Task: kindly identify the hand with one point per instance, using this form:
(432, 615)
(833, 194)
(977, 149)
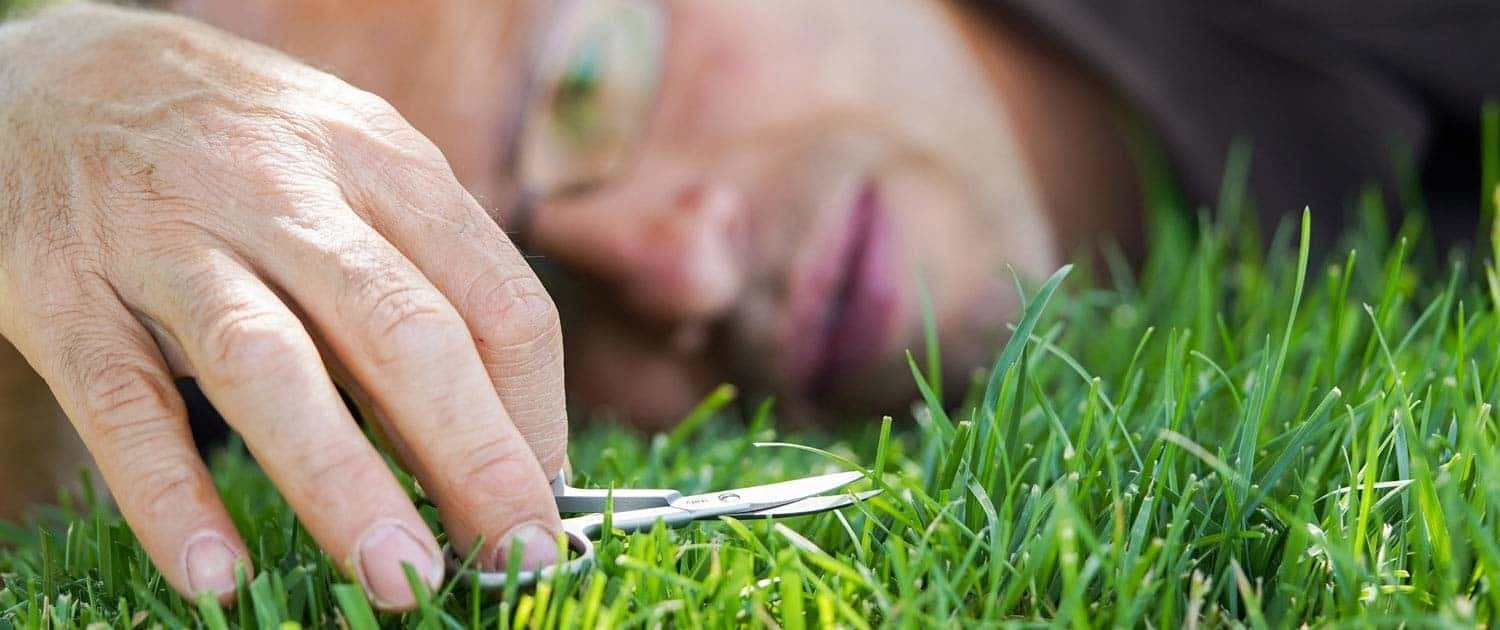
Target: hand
(174, 201)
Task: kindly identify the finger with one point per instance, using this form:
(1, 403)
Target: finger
(259, 367)
(113, 384)
(422, 209)
(411, 353)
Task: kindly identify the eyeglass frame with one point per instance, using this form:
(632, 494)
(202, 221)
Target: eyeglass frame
(522, 215)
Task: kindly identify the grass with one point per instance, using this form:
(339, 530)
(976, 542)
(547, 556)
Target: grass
(19, 7)
(1243, 433)
(1234, 436)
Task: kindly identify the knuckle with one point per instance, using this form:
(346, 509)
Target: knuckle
(408, 312)
(488, 472)
(335, 462)
(378, 127)
(410, 166)
(163, 486)
(407, 321)
(379, 114)
(335, 471)
(251, 336)
(121, 401)
(512, 315)
(124, 394)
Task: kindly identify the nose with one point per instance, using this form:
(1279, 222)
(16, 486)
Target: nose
(675, 254)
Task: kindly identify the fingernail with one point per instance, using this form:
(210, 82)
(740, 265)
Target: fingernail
(209, 561)
(382, 551)
(538, 547)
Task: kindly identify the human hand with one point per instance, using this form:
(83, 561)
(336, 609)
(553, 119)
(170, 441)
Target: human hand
(174, 201)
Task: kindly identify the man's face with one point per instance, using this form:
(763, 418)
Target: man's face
(734, 191)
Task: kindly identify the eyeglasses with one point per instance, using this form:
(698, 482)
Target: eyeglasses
(590, 83)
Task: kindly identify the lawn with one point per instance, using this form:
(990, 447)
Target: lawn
(1242, 431)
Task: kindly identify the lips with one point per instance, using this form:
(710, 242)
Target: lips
(849, 324)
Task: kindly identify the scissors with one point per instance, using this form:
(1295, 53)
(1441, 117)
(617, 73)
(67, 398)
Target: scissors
(637, 509)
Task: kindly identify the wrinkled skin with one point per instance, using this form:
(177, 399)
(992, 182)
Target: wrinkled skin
(210, 208)
(239, 217)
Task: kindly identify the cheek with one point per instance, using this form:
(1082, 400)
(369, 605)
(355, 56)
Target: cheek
(962, 244)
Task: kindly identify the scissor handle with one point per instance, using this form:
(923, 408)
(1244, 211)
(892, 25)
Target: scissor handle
(578, 543)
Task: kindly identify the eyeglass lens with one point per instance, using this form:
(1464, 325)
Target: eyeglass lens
(595, 84)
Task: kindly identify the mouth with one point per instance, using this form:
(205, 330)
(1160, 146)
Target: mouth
(850, 318)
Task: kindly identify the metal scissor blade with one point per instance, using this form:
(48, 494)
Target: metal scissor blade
(810, 505)
(577, 500)
(756, 498)
(761, 497)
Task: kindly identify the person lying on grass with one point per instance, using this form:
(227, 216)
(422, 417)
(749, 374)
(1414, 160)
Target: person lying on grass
(727, 191)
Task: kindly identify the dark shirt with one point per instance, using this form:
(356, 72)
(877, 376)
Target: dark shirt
(1329, 94)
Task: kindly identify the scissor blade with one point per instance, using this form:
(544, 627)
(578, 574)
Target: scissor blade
(810, 505)
(762, 497)
(577, 500)
(770, 495)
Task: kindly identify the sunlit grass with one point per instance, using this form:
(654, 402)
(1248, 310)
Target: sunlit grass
(1241, 435)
